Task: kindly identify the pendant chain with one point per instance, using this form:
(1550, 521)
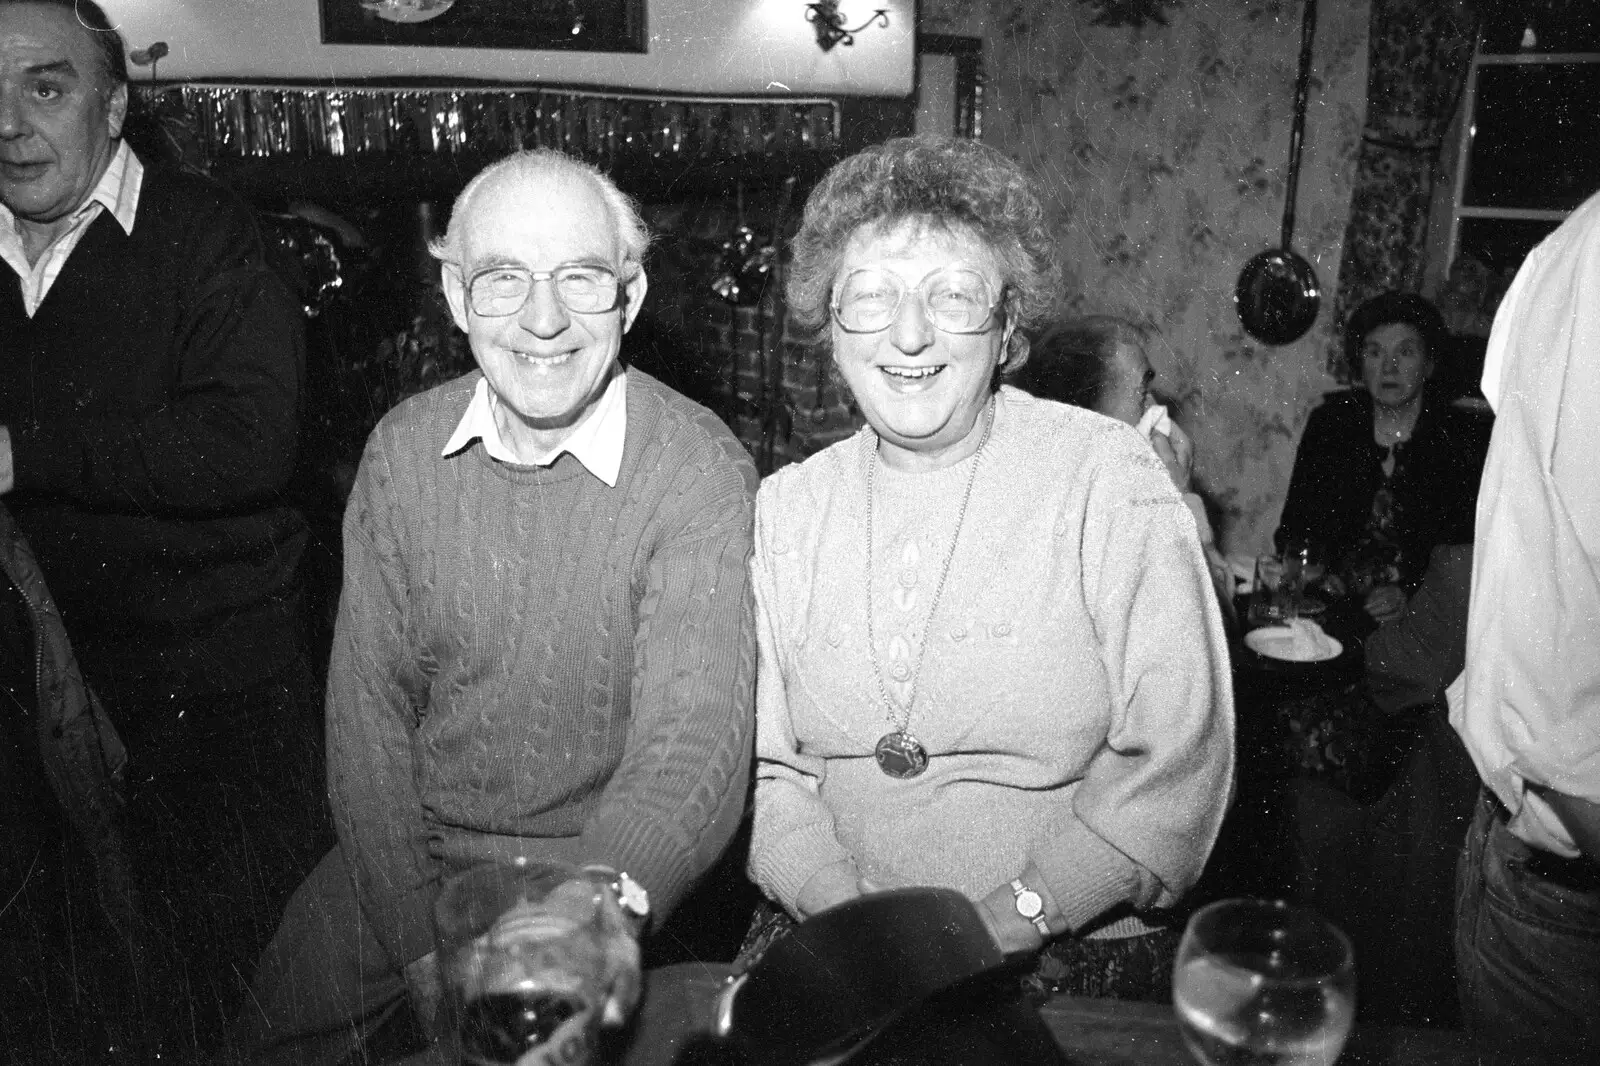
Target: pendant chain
(901, 719)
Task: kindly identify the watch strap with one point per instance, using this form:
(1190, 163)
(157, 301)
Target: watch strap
(629, 894)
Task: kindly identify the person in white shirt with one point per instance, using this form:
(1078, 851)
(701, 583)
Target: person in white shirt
(1527, 704)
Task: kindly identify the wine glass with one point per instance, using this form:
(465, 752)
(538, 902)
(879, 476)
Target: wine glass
(1267, 605)
(525, 952)
(1261, 982)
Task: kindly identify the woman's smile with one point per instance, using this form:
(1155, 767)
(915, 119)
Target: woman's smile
(904, 377)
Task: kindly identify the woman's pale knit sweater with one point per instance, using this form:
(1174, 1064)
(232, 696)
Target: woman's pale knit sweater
(1074, 696)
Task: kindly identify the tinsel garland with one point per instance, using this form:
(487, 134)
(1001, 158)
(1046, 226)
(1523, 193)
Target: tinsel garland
(248, 121)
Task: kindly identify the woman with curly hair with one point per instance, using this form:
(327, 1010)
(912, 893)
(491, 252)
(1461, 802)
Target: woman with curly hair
(990, 659)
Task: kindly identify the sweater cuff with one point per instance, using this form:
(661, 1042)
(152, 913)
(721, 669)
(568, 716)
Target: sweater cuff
(40, 458)
(783, 867)
(1202, 521)
(1087, 877)
(654, 856)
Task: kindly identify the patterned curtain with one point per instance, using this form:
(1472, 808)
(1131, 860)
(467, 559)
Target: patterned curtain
(1418, 55)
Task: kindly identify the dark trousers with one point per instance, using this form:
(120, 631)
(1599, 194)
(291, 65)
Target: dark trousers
(227, 813)
(1527, 947)
(324, 985)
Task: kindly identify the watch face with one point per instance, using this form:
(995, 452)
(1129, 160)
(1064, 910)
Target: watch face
(1029, 904)
(632, 896)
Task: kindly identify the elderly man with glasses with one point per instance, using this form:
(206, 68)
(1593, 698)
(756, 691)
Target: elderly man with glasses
(545, 649)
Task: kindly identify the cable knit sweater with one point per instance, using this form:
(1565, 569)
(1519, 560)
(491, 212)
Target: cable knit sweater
(1074, 696)
(528, 662)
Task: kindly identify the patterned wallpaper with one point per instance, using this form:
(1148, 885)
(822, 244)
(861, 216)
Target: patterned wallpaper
(1165, 149)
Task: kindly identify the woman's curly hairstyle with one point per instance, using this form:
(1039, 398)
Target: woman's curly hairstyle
(1387, 309)
(953, 183)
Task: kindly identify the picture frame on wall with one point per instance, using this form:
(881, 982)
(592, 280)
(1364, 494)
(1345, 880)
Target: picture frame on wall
(543, 25)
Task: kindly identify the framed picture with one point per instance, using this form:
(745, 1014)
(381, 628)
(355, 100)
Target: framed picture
(554, 25)
(949, 85)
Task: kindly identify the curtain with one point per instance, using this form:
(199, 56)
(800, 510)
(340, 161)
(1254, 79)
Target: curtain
(1418, 53)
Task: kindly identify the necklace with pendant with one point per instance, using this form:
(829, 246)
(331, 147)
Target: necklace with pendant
(899, 753)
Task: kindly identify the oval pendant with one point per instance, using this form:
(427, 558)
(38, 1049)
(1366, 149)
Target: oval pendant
(900, 755)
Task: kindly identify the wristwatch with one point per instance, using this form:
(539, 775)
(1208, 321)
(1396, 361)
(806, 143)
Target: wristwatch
(630, 894)
(1031, 906)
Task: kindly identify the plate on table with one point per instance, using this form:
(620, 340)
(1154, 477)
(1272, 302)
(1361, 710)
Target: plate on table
(1278, 642)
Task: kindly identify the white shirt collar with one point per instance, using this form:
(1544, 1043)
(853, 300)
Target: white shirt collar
(596, 441)
(117, 191)
(118, 188)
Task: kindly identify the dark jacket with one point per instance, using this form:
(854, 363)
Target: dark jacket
(82, 757)
(1339, 468)
(153, 403)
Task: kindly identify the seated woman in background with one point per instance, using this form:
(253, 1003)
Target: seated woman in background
(1100, 362)
(1386, 471)
(990, 659)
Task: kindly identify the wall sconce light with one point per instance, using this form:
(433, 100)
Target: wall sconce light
(825, 16)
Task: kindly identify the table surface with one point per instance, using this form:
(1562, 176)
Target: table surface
(677, 1011)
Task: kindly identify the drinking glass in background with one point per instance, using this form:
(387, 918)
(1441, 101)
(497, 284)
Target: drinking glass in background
(1263, 982)
(530, 957)
(1269, 606)
(1305, 559)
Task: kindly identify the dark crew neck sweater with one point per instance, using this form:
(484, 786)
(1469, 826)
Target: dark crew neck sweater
(1339, 468)
(153, 403)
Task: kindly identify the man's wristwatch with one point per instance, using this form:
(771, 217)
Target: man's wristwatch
(1031, 906)
(630, 894)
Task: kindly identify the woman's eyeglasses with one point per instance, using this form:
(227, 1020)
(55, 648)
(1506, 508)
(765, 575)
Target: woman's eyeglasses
(954, 299)
(499, 291)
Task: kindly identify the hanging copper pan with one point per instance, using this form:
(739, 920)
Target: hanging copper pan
(1278, 294)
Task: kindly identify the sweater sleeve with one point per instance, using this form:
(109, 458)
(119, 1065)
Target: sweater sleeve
(1334, 477)
(677, 798)
(792, 836)
(227, 437)
(1412, 659)
(371, 717)
(1149, 808)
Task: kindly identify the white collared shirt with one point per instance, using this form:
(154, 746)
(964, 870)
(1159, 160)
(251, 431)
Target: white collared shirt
(1528, 703)
(596, 441)
(117, 191)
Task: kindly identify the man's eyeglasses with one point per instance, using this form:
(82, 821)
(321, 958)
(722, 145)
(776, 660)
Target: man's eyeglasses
(956, 300)
(499, 291)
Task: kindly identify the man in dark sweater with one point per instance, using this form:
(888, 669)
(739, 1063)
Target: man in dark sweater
(150, 370)
(545, 647)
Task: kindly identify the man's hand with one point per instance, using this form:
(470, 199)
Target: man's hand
(1581, 818)
(1385, 603)
(422, 982)
(8, 472)
(619, 976)
(828, 887)
(1176, 452)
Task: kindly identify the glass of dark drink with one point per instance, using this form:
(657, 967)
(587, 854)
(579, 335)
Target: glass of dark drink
(528, 959)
